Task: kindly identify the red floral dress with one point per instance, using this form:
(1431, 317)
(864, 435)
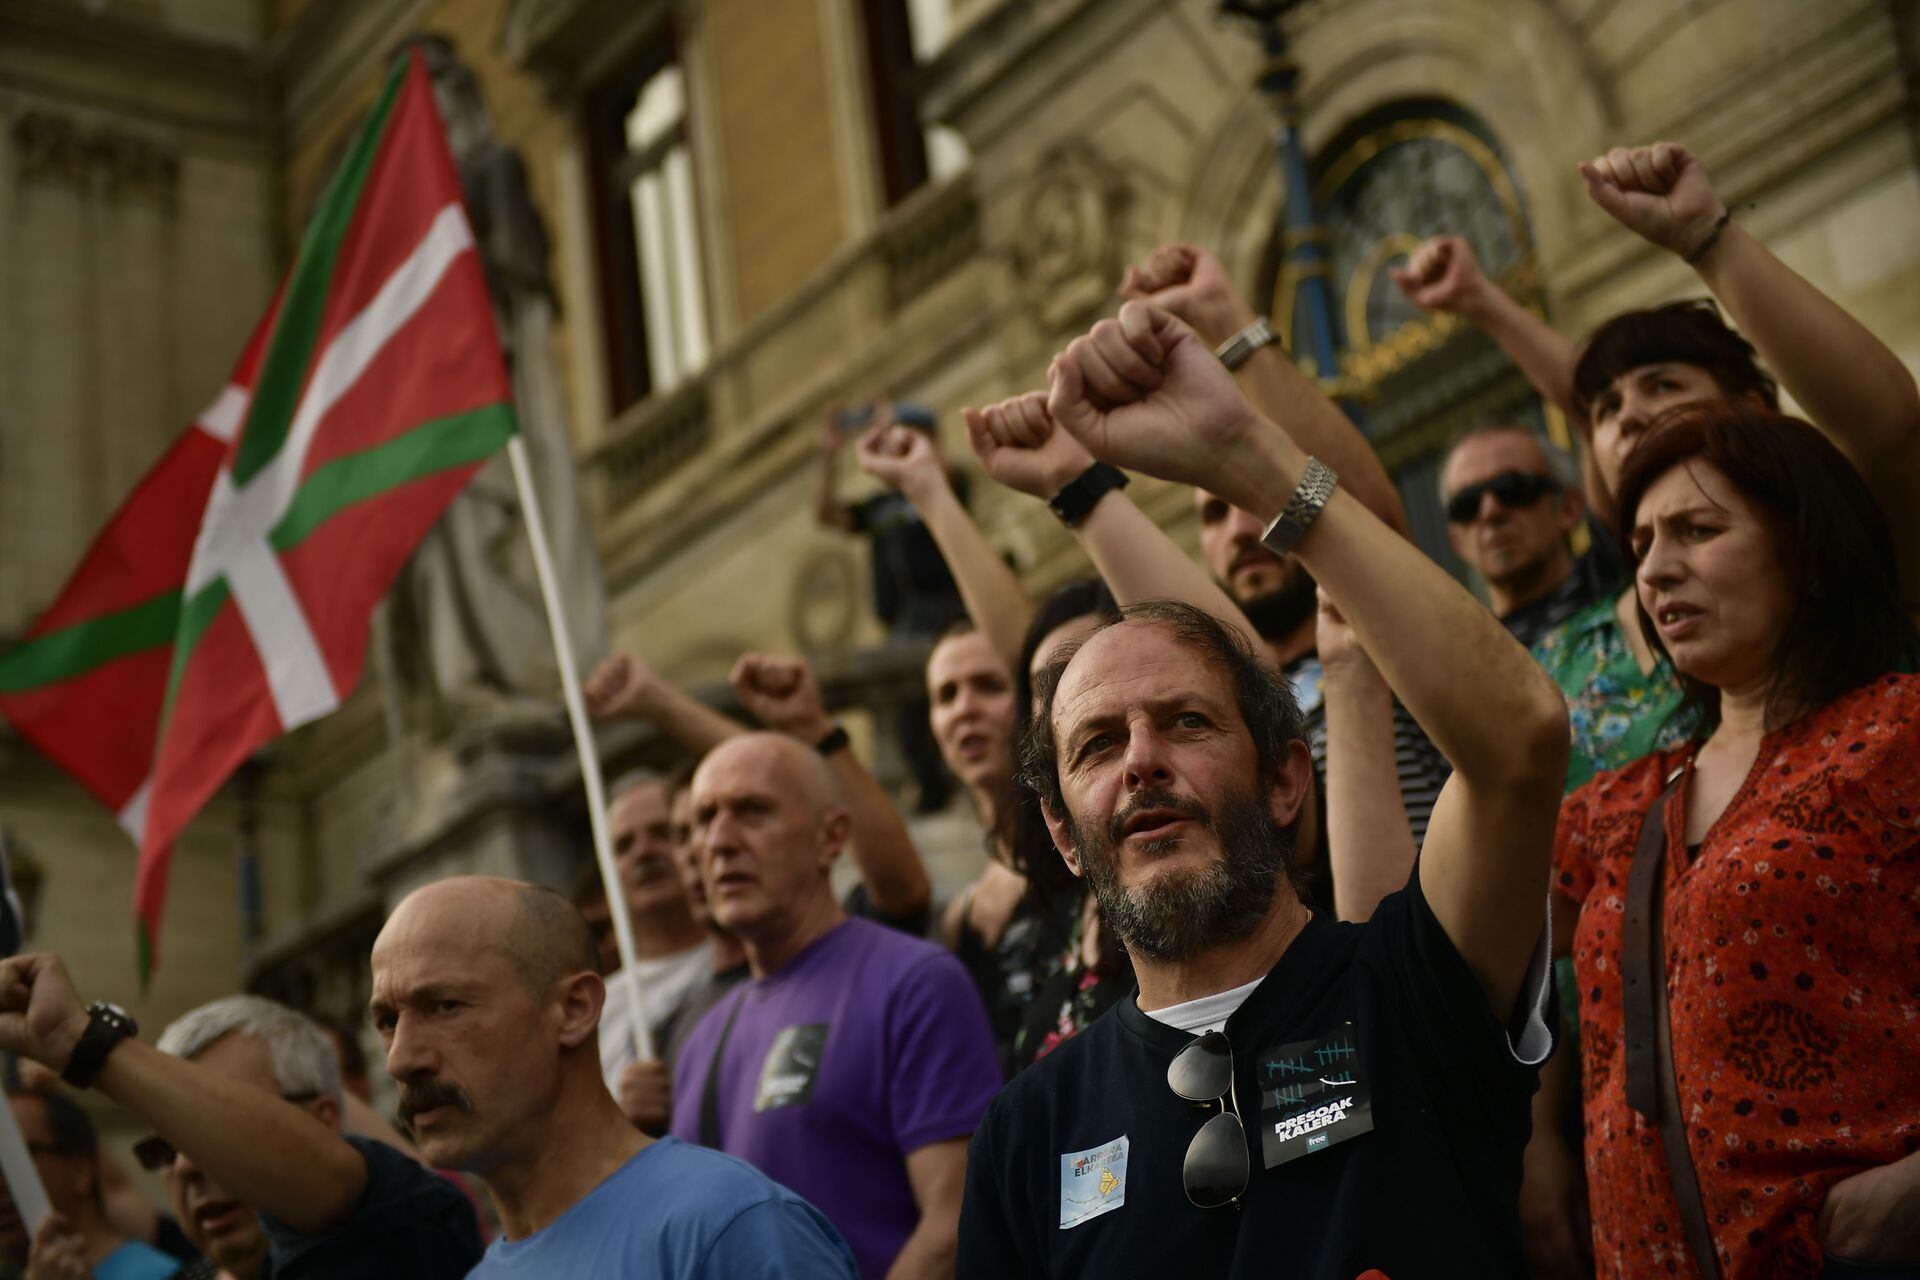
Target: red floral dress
(1792, 942)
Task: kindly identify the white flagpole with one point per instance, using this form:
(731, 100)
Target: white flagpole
(583, 741)
(23, 1179)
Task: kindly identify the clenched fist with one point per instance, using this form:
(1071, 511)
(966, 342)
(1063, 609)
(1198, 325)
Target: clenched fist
(1190, 282)
(1443, 275)
(621, 688)
(903, 459)
(1660, 193)
(782, 694)
(1022, 447)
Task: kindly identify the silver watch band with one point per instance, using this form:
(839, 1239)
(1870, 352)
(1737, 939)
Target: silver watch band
(1315, 487)
(1238, 349)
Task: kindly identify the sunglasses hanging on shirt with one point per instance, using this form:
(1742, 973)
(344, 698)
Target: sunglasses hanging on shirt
(1216, 1170)
(1511, 489)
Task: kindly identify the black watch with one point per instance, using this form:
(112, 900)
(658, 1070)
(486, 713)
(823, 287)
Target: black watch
(1073, 503)
(835, 739)
(107, 1025)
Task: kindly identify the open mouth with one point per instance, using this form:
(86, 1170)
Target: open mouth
(973, 746)
(216, 1216)
(1150, 825)
(1676, 621)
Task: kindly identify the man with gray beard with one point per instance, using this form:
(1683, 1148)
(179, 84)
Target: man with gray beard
(1282, 1094)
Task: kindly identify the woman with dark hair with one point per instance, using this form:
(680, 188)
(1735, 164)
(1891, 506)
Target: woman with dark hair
(1746, 900)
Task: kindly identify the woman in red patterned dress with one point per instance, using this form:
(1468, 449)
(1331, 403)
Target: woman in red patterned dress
(1789, 897)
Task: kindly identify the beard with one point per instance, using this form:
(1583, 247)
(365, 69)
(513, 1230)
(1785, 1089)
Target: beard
(1284, 610)
(1176, 917)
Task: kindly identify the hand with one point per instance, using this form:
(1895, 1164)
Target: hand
(1442, 275)
(1874, 1216)
(1144, 393)
(59, 1252)
(646, 1095)
(782, 694)
(902, 459)
(1555, 1230)
(1022, 447)
(1190, 282)
(41, 1015)
(1660, 193)
(831, 436)
(1334, 641)
(621, 688)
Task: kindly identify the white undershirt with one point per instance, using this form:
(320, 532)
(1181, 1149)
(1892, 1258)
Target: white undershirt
(1208, 1013)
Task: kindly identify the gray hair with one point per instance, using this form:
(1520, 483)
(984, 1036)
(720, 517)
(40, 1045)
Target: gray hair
(303, 1060)
(633, 780)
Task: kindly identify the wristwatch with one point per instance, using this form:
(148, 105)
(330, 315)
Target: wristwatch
(107, 1025)
(1315, 487)
(833, 740)
(1073, 503)
(1239, 349)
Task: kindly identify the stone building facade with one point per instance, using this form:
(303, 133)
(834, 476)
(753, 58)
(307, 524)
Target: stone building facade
(760, 208)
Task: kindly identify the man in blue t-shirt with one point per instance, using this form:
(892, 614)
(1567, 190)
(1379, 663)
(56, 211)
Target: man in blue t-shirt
(488, 997)
(856, 1062)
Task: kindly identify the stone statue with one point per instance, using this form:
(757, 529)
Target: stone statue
(474, 594)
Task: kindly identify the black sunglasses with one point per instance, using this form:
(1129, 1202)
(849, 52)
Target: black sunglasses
(1511, 489)
(1216, 1171)
(156, 1154)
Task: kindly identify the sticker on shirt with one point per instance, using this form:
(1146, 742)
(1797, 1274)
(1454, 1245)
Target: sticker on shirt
(1093, 1182)
(786, 1078)
(1311, 1096)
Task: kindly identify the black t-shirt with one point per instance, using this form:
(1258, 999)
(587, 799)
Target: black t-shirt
(1093, 1133)
(409, 1222)
(907, 564)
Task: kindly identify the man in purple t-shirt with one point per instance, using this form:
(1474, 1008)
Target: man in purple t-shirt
(855, 1064)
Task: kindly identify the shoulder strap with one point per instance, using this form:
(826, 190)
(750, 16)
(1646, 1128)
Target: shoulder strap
(710, 1087)
(1643, 1001)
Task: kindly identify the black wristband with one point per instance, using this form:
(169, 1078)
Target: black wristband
(1073, 503)
(107, 1026)
(836, 740)
(1713, 238)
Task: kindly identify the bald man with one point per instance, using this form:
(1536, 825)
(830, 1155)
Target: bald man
(855, 1062)
(487, 997)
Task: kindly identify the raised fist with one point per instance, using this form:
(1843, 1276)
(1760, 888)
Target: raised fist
(1190, 282)
(782, 694)
(1442, 275)
(621, 688)
(1022, 447)
(41, 1015)
(1144, 393)
(1661, 193)
(902, 458)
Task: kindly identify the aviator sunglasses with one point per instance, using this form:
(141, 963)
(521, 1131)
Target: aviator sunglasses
(1216, 1170)
(1511, 489)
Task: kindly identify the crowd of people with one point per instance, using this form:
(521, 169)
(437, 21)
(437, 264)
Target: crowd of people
(1575, 932)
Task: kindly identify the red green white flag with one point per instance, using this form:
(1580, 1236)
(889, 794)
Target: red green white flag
(228, 599)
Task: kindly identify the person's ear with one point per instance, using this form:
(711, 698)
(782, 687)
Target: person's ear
(1062, 832)
(325, 1109)
(581, 998)
(1457, 539)
(836, 828)
(1292, 784)
(1573, 509)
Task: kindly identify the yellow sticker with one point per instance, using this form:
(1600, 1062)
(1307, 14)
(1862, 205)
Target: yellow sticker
(1108, 1182)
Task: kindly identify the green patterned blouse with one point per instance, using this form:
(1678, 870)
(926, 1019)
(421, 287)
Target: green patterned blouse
(1618, 712)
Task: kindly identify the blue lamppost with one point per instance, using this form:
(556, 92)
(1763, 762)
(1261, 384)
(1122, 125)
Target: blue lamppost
(1303, 239)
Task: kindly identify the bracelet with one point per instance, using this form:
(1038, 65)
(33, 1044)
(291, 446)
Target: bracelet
(1309, 497)
(1073, 503)
(1239, 349)
(836, 740)
(1713, 238)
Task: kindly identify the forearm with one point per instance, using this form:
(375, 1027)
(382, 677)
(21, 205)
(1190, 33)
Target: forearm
(826, 503)
(1138, 561)
(691, 723)
(931, 1252)
(881, 846)
(279, 1159)
(1370, 844)
(1488, 707)
(362, 1121)
(993, 596)
(1545, 355)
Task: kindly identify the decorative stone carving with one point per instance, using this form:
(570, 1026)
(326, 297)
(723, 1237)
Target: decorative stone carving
(123, 166)
(1068, 256)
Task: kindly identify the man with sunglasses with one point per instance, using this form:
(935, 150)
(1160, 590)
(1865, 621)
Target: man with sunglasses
(1509, 516)
(258, 1112)
(1283, 1094)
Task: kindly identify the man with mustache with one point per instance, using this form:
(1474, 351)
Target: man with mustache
(1282, 1092)
(487, 997)
(856, 1061)
(330, 1206)
(672, 955)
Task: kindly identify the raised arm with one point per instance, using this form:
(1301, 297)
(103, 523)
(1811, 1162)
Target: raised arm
(289, 1165)
(1190, 282)
(826, 502)
(1845, 379)
(1443, 275)
(1484, 702)
(905, 460)
(1370, 847)
(782, 694)
(625, 688)
(1020, 446)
